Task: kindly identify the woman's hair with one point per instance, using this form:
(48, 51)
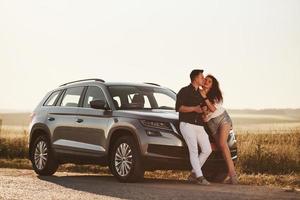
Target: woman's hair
(214, 94)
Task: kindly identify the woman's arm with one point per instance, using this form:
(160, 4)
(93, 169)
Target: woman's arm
(210, 105)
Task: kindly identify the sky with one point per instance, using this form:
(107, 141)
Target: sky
(252, 47)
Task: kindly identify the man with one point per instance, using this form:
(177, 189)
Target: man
(188, 104)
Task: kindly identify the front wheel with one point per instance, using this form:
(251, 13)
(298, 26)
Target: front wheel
(125, 160)
(42, 157)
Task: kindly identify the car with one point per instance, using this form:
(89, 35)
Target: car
(129, 127)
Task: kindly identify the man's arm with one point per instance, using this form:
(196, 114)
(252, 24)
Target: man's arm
(187, 109)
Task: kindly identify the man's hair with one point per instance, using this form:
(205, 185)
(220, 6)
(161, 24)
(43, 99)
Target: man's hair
(195, 73)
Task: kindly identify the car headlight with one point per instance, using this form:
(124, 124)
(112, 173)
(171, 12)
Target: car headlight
(156, 124)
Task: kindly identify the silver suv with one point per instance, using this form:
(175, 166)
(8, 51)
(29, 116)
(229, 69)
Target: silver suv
(126, 126)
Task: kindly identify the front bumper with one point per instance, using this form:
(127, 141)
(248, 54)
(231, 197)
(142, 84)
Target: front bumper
(170, 157)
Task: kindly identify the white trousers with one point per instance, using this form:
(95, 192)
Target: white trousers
(194, 135)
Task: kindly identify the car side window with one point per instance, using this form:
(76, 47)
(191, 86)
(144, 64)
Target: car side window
(93, 93)
(52, 98)
(72, 97)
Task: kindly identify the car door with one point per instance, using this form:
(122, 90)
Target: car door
(92, 124)
(63, 118)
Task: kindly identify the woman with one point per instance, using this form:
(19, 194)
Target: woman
(219, 122)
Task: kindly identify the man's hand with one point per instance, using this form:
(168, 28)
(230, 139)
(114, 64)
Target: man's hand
(198, 109)
(205, 110)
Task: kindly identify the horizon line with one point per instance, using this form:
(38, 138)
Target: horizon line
(255, 109)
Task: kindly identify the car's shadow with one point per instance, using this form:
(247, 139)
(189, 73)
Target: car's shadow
(107, 185)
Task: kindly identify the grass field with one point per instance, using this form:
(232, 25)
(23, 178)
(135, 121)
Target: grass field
(268, 152)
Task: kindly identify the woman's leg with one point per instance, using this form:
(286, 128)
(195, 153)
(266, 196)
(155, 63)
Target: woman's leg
(221, 139)
(223, 136)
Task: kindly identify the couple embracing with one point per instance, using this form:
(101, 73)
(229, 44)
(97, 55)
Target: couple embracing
(200, 104)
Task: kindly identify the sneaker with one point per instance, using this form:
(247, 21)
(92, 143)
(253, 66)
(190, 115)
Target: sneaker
(192, 177)
(202, 181)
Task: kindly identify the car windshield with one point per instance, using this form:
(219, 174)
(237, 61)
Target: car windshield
(141, 97)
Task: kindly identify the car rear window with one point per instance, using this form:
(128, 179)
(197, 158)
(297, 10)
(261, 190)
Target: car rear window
(52, 98)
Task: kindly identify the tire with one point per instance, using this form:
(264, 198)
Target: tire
(125, 160)
(42, 157)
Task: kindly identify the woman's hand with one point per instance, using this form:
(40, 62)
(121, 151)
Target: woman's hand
(205, 118)
(205, 113)
(205, 110)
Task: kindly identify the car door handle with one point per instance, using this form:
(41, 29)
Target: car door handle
(51, 118)
(79, 120)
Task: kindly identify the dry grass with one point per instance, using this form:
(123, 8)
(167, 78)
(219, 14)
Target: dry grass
(14, 143)
(274, 153)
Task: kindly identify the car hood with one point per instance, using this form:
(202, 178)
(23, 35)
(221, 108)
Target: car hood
(154, 114)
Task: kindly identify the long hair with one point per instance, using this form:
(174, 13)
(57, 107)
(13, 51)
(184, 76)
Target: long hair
(215, 93)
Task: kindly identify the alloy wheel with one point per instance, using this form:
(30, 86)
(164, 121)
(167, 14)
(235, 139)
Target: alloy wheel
(40, 155)
(123, 159)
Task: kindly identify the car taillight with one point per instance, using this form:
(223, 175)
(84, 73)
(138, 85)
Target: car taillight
(32, 115)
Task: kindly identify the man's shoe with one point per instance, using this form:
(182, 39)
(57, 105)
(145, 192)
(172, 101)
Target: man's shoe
(192, 177)
(202, 181)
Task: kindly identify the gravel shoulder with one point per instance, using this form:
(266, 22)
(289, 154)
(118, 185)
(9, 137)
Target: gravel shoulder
(25, 184)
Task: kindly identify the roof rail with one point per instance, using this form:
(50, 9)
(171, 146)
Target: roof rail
(153, 84)
(89, 79)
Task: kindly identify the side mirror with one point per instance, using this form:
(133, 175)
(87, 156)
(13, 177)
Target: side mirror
(98, 104)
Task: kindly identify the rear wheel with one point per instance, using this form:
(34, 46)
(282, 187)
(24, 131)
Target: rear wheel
(125, 160)
(42, 157)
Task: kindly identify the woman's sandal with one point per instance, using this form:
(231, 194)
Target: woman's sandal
(233, 180)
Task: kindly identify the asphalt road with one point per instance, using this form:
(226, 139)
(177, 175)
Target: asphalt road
(25, 184)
